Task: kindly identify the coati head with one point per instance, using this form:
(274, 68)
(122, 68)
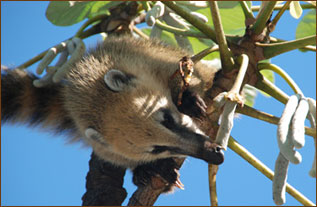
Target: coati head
(120, 99)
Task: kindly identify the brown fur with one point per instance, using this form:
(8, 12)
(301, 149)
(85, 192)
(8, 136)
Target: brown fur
(127, 120)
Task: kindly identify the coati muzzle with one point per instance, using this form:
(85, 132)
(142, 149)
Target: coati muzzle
(210, 152)
(190, 143)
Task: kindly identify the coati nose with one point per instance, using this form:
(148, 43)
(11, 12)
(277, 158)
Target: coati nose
(212, 153)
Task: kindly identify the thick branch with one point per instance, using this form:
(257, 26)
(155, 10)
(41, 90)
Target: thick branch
(263, 17)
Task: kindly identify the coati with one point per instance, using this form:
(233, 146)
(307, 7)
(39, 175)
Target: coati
(120, 99)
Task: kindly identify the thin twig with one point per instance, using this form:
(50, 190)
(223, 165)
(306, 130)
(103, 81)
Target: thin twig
(246, 10)
(251, 112)
(283, 74)
(280, 13)
(89, 32)
(272, 50)
(140, 33)
(246, 155)
(179, 31)
(279, 7)
(309, 47)
(89, 22)
(225, 54)
(271, 89)
(195, 21)
(202, 54)
(145, 5)
(212, 172)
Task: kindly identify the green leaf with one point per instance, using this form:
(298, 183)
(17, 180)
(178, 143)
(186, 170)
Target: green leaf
(201, 44)
(268, 74)
(102, 7)
(307, 26)
(65, 13)
(249, 93)
(227, 4)
(232, 17)
(295, 9)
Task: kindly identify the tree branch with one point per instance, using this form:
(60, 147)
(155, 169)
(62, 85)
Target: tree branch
(179, 31)
(263, 17)
(246, 10)
(272, 50)
(91, 31)
(283, 74)
(89, 22)
(249, 111)
(196, 22)
(246, 155)
(202, 54)
(265, 85)
(147, 195)
(225, 54)
(212, 172)
(308, 47)
(140, 33)
(280, 13)
(279, 7)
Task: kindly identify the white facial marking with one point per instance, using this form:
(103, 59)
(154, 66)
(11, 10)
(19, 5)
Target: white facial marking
(188, 122)
(149, 105)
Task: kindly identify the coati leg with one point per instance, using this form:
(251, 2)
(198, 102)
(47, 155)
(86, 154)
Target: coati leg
(164, 168)
(104, 184)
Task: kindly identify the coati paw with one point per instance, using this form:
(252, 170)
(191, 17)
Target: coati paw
(192, 105)
(166, 170)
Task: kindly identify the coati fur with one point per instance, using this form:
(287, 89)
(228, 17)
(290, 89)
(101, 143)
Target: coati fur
(121, 100)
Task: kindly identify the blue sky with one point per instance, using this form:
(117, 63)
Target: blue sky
(38, 168)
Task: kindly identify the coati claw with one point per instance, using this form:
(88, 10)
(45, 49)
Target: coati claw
(179, 184)
(166, 169)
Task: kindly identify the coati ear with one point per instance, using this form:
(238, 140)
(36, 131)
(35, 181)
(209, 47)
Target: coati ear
(117, 80)
(92, 134)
